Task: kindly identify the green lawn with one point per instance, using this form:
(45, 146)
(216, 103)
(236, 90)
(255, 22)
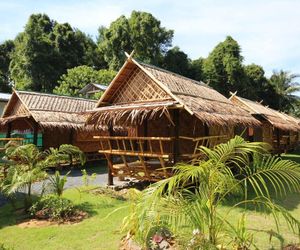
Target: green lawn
(100, 232)
(96, 232)
(292, 156)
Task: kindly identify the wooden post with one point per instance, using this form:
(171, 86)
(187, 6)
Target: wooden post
(71, 136)
(8, 133)
(145, 134)
(110, 178)
(206, 130)
(176, 150)
(71, 142)
(278, 140)
(35, 133)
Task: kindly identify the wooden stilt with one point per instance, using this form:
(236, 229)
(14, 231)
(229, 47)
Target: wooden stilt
(110, 178)
(176, 136)
(278, 141)
(35, 133)
(8, 133)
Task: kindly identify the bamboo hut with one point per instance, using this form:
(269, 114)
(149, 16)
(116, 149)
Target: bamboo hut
(51, 120)
(157, 118)
(278, 129)
(92, 88)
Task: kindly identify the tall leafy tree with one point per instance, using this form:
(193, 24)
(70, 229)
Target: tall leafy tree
(177, 61)
(45, 50)
(32, 66)
(6, 50)
(285, 86)
(257, 82)
(196, 69)
(223, 69)
(141, 32)
(76, 78)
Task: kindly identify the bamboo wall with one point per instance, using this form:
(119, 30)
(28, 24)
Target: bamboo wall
(85, 141)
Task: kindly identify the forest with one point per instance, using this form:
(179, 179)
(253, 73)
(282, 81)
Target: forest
(52, 57)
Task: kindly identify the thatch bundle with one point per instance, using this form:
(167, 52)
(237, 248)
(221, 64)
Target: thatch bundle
(129, 115)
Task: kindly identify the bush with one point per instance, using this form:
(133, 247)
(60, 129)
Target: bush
(3, 247)
(53, 207)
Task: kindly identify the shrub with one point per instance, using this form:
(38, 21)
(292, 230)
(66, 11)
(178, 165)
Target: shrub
(53, 207)
(3, 247)
(57, 183)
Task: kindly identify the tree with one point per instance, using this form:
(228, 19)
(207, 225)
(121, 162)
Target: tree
(45, 50)
(78, 77)
(29, 165)
(285, 86)
(33, 62)
(177, 61)
(192, 197)
(223, 68)
(196, 69)
(141, 32)
(257, 83)
(6, 50)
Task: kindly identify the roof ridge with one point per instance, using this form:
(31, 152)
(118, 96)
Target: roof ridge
(175, 74)
(54, 95)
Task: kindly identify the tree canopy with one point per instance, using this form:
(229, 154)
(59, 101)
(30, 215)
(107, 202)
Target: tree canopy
(141, 32)
(6, 50)
(76, 78)
(48, 56)
(45, 50)
(223, 69)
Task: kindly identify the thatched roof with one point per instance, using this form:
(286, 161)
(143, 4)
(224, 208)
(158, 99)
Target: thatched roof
(139, 83)
(275, 118)
(47, 110)
(92, 88)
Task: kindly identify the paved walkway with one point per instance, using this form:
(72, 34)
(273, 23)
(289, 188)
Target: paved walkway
(74, 179)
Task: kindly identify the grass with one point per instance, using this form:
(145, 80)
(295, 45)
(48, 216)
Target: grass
(102, 232)
(96, 232)
(295, 156)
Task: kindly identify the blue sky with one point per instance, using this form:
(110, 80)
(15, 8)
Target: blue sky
(268, 31)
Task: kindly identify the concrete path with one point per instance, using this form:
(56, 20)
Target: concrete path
(74, 179)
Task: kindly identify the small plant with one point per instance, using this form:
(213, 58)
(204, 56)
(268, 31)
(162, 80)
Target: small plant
(3, 247)
(53, 207)
(57, 183)
(243, 240)
(86, 178)
(159, 237)
(28, 165)
(199, 241)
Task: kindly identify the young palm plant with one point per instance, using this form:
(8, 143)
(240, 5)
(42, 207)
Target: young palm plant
(57, 183)
(30, 165)
(192, 197)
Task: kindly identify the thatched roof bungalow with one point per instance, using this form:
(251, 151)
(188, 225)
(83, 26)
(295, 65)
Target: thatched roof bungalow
(159, 117)
(92, 88)
(57, 119)
(278, 129)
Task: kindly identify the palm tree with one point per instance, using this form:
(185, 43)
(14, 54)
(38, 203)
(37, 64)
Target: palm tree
(192, 197)
(285, 86)
(30, 166)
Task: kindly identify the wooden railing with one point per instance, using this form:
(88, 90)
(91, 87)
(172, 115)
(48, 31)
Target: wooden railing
(206, 141)
(148, 157)
(136, 146)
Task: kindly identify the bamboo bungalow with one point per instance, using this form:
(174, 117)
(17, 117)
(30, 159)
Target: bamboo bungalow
(157, 118)
(278, 129)
(49, 120)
